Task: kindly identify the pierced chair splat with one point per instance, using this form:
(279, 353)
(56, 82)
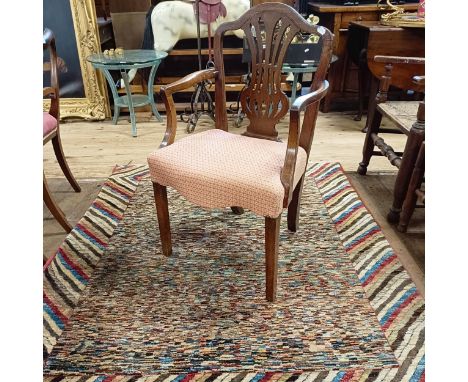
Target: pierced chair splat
(254, 170)
(51, 129)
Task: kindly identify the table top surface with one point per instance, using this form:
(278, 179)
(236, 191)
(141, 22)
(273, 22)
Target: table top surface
(128, 57)
(305, 67)
(376, 26)
(318, 6)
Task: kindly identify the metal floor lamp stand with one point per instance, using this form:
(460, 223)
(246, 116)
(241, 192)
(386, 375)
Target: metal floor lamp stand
(201, 102)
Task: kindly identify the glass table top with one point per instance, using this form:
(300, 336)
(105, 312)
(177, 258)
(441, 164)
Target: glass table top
(139, 56)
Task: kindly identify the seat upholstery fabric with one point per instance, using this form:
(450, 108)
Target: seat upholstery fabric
(49, 123)
(217, 169)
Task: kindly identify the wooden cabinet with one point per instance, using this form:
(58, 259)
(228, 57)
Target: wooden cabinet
(343, 75)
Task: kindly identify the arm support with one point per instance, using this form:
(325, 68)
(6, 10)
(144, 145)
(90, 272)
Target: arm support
(308, 103)
(166, 94)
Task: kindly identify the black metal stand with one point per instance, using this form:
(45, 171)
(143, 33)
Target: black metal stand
(201, 101)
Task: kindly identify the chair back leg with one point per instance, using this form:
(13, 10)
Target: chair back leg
(272, 226)
(56, 143)
(162, 210)
(53, 207)
(237, 210)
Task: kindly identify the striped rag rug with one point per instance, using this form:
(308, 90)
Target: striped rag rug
(398, 306)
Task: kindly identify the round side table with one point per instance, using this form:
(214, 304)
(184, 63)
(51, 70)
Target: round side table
(129, 59)
(310, 67)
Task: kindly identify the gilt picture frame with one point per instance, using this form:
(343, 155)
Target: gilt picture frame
(89, 101)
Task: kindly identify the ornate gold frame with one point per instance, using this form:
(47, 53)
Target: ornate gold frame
(95, 106)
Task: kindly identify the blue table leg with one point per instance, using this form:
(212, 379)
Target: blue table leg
(294, 88)
(115, 95)
(130, 101)
(151, 92)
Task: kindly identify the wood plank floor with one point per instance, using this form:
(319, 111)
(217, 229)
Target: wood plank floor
(94, 148)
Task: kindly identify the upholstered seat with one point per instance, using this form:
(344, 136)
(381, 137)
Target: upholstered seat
(216, 169)
(49, 123)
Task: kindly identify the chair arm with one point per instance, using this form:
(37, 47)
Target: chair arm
(189, 80)
(166, 95)
(300, 104)
(303, 101)
(49, 91)
(400, 60)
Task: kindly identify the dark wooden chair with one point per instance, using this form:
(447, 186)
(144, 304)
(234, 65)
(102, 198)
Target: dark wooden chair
(51, 129)
(403, 114)
(217, 169)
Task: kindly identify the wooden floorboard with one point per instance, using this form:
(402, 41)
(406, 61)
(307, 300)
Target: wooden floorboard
(73, 204)
(94, 148)
(376, 191)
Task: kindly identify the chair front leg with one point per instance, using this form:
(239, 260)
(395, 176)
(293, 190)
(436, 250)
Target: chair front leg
(272, 226)
(295, 206)
(162, 210)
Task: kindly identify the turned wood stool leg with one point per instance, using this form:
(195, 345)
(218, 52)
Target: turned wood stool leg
(369, 144)
(413, 143)
(162, 210)
(295, 206)
(53, 207)
(272, 226)
(411, 197)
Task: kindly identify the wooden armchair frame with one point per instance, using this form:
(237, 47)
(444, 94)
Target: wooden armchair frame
(405, 160)
(52, 92)
(269, 29)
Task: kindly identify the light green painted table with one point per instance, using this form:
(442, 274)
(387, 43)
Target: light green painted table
(130, 59)
(310, 67)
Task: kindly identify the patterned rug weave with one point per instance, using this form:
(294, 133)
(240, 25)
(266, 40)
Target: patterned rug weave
(203, 309)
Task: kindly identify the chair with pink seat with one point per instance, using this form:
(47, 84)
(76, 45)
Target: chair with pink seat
(51, 129)
(217, 169)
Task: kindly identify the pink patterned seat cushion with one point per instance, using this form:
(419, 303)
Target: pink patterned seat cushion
(49, 123)
(217, 169)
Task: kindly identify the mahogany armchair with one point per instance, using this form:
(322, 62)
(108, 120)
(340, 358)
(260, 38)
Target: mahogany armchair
(255, 170)
(51, 129)
(408, 117)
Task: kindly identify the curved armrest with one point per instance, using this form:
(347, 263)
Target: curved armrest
(400, 60)
(166, 94)
(49, 91)
(189, 80)
(300, 104)
(303, 101)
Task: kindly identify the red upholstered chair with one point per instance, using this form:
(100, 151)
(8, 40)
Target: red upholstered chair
(51, 130)
(217, 169)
